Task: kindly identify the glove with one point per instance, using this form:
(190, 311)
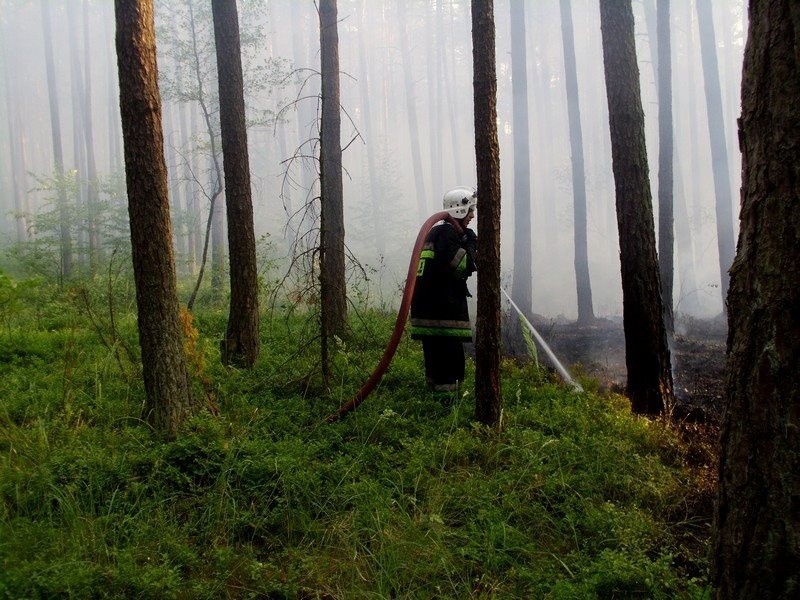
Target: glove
(469, 239)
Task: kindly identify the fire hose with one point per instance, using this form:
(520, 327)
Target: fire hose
(402, 316)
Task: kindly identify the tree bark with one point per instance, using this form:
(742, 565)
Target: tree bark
(646, 352)
(168, 389)
(666, 235)
(756, 540)
(488, 400)
(582, 281)
(333, 292)
(241, 343)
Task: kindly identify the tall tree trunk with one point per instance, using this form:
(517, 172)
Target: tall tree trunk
(651, 25)
(719, 152)
(488, 400)
(171, 137)
(666, 237)
(756, 540)
(448, 77)
(19, 174)
(582, 281)
(16, 142)
(685, 249)
(541, 99)
(217, 217)
(411, 106)
(177, 155)
(306, 115)
(241, 343)
(695, 174)
(93, 196)
(333, 291)
(78, 140)
(166, 380)
(522, 287)
(646, 352)
(214, 231)
(374, 190)
(190, 185)
(65, 232)
(434, 99)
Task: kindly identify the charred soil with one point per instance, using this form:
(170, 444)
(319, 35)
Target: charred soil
(597, 349)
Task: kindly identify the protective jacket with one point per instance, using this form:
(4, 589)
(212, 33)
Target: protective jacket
(439, 306)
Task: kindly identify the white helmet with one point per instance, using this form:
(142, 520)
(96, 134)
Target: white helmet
(459, 201)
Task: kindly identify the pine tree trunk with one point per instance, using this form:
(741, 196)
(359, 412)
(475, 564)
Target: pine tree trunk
(65, 232)
(16, 139)
(306, 115)
(448, 77)
(522, 285)
(332, 277)
(93, 196)
(583, 283)
(756, 542)
(411, 107)
(488, 401)
(171, 139)
(685, 249)
(374, 189)
(666, 236)
(217, 215)
(241, 343)
(78, 141)
(167, 386)
(190, 192)
(719, 152)
(433, 88)
(646, 352)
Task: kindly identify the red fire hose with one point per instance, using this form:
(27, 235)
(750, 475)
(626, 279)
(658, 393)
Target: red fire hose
(402, 315)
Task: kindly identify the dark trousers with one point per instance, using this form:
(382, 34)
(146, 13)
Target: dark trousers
(444, 362)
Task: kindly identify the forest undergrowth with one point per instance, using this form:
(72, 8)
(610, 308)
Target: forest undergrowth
(572, 497)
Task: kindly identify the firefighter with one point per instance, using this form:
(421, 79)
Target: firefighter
(439, 313)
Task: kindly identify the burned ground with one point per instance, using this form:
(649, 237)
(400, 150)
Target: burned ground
(598, 351)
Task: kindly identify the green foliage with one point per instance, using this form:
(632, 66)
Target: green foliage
(573, 498)
(106, 219)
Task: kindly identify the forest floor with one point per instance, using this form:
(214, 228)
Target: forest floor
(597, 351)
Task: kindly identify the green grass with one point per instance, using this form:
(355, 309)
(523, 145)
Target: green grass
(572, 498)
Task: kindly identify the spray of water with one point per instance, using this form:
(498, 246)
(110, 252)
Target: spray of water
(550, 354)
